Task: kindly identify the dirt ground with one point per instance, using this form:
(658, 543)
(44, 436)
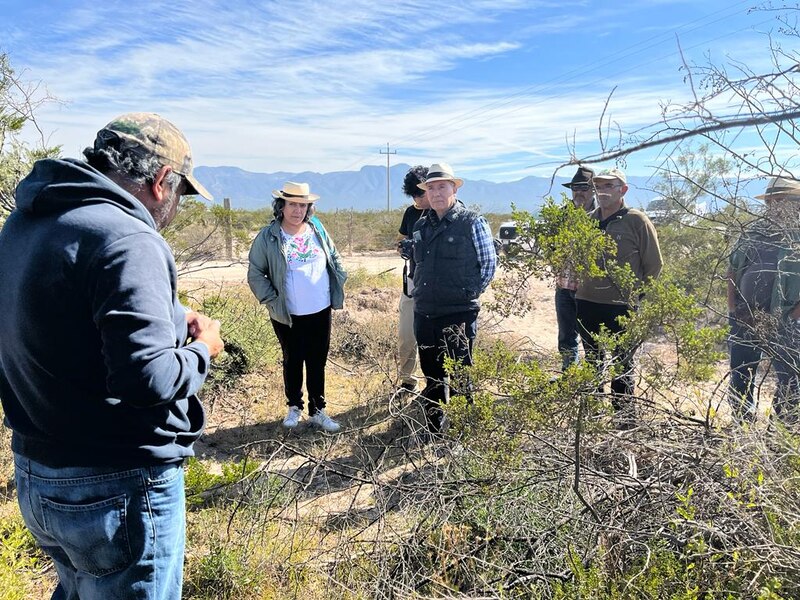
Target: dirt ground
(537, 327)
(377, 428)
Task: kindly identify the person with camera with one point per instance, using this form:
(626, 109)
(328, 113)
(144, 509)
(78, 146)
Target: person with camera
(406, 342)
(455, 262)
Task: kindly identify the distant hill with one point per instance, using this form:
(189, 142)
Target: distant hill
(366, 189)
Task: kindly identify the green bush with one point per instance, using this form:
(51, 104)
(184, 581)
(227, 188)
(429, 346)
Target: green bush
(224, 572)
(20, 559)
(250, 342)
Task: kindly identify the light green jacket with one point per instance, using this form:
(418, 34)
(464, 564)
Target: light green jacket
(266, 274)
(786, 290)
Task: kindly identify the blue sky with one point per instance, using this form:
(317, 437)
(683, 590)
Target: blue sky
(501, 89)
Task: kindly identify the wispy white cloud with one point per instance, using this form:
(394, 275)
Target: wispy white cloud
(494, 86)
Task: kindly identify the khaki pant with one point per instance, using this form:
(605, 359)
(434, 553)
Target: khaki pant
(407, 343)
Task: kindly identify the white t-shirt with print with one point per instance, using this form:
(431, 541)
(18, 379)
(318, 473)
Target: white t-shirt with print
(308, 286)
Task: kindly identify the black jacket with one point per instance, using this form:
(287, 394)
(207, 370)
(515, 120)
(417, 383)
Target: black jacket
(447, 277)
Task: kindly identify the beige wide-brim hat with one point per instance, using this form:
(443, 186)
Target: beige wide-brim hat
(779, 186)
(440, 172)
(297, 192)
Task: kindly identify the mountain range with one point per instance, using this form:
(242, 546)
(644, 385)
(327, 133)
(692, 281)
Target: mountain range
(366, 189)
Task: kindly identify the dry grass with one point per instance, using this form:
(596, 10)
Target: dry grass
(370, 513)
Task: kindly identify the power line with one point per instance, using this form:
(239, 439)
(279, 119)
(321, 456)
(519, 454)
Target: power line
(455, 121)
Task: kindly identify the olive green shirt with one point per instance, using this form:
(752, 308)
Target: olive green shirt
(637, 245)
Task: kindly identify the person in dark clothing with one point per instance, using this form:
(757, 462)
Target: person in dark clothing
(406, 342)
(455, 262)
(98, 378)
(566, 285)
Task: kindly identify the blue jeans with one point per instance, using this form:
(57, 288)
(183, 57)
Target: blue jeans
(746, 351)
(113, 535)
(567, 318)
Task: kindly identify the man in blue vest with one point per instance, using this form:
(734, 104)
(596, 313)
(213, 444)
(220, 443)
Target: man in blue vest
(455, 262)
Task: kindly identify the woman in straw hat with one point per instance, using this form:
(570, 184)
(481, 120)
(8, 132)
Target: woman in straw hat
(296, 273)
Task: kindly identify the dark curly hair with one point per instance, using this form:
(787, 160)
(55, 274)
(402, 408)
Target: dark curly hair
(279, 203)
(414, 176)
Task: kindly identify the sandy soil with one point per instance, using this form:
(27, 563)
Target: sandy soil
(248, 420)
(538, 326)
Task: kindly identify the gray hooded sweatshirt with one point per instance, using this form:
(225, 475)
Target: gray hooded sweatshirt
(94, 365)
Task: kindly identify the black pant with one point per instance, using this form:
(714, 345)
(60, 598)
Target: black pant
(439, 337)
(306, 341)
(591, 315)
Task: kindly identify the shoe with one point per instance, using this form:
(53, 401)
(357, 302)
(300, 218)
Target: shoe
(320, 419)
(405, 389)
(293, 418)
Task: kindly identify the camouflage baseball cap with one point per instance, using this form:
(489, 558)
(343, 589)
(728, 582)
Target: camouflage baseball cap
(153, 134)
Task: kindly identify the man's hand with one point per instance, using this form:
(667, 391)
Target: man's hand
(206, 330)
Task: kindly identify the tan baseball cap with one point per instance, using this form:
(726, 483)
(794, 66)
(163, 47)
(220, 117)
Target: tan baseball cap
(612, 174)
(155, 135)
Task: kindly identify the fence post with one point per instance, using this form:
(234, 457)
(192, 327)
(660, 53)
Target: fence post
(228, 226)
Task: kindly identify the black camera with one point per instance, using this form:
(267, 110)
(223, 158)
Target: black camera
(406, 248)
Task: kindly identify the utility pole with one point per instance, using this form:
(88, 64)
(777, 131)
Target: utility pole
(388, 193)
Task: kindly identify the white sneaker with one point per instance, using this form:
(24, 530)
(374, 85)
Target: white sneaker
(293, 418)
(320, 419)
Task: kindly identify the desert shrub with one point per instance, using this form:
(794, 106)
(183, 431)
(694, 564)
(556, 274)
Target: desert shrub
(368, 342)
(204, 232)
(224, 572)
(360, 279)
(250, 341)
(243, 554)
(20, 559)
(362, 231)
(201, 484)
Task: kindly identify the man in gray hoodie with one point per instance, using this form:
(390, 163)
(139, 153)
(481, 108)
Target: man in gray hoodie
(98, 376)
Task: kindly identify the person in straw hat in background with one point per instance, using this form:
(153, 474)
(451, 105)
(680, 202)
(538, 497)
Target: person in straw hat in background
(296, 272)
(764, 302)
(455, 263)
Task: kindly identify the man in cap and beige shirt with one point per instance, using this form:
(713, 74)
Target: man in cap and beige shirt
(600, 301)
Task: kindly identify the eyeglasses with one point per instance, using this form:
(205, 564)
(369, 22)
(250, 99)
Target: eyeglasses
(580, 188)
(607, 186)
